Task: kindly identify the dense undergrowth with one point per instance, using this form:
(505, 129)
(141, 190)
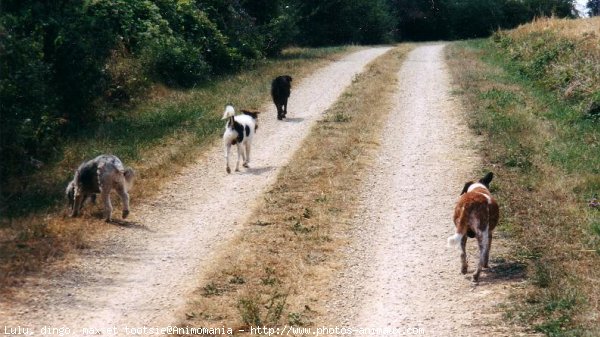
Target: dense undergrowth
(533, 93)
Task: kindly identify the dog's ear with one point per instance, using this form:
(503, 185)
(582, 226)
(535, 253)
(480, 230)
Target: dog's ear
(487, 179)
(466, 188)
(289, 78)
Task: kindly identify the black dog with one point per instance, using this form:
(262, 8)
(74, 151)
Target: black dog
(280, 91)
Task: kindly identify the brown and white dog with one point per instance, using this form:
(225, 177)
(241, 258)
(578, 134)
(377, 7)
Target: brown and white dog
(475, 215)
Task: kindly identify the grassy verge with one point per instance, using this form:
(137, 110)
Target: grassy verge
(278, 268)
(545, 151)
(156, 138)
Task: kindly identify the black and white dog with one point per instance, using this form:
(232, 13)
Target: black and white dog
(100, 175)
(280, 92)
(239, 131)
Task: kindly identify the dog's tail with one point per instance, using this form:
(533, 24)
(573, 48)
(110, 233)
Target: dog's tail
(129, 175)
(454, 240)
(461, 230)
(229, 113)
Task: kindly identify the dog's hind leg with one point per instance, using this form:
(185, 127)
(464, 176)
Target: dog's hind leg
(240, 154)
(247, 158)
(124, 198)
(105, 195)
(487, 251)
(483, 240)
(227, 150)
(463, 254)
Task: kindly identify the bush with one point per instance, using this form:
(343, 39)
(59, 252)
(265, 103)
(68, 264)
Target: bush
(192, 26)
(177, 63)
(28, 108)
(334, 22)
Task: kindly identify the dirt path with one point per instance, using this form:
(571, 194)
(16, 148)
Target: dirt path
(400, 274)
(139, 275)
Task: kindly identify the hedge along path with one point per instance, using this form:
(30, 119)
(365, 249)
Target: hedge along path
(277, 270)
(141, 273)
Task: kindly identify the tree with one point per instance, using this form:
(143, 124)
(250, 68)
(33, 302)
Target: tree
(559, 8)
(594, 7)
(420, 20)
(334, 22)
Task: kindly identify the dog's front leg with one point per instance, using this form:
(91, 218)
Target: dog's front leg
(77, 205)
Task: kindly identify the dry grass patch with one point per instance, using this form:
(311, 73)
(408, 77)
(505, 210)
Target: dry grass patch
(276, 271)
(157, 138)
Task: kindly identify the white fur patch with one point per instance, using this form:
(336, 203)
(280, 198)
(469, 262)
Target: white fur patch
(476, 185)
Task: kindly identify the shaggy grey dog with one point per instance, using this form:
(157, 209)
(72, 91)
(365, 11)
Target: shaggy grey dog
(100, 175)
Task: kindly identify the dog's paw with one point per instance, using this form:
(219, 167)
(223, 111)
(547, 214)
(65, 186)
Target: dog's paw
(125, 213)
(245, 165)
(228, 170)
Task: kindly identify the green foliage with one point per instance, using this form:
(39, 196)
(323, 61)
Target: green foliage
(28, 107)
(460, 19)
(475, 18)
(593, 7)
(177, 63)
(333, 22)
